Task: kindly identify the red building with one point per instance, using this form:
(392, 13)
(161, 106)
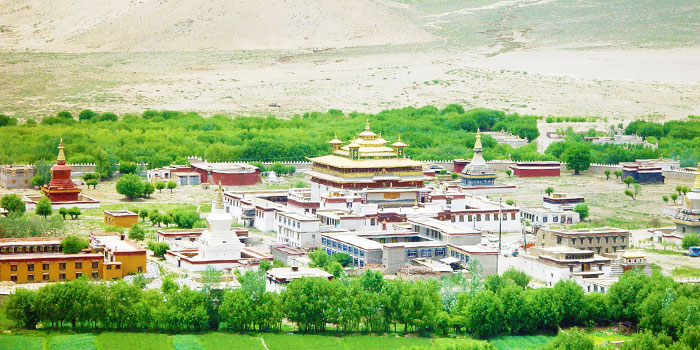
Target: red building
(536, 169)
(61, 188)
(459, 164)
(227, 174)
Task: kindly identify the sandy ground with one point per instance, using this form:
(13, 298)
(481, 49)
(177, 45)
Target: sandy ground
(612, 84)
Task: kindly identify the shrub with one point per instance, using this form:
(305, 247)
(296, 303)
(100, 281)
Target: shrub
(137, 233)
(73, 244)
(13, 204)
(158, 248)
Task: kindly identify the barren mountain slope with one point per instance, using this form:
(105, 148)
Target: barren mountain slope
(193, 25)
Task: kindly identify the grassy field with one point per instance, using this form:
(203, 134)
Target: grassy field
(686, 271)
(521, 342)
(222, 341)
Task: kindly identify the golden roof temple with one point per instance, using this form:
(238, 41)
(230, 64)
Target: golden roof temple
(367, 161)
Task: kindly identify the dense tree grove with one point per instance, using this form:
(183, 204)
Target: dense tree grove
(370, 303)
(164, 137)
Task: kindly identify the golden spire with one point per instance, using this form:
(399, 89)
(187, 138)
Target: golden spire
(696, 184)
(61, 154)
(367, 125)
(477, 144)
(219, 198)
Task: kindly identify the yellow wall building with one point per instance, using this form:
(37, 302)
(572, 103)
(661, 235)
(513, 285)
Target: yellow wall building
(120, 218)
(39, 259)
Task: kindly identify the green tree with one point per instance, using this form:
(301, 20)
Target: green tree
(484, 314)
(36, 181)
(674, 197)
(160, 185)
(184, 218)
(127, 167)
(630, 194)
(158, 248)
(20, 307)
(7, 120)
(336, 269)
(105, 164)
(171, 185)
(148, 189)
(510, 202)
(143, 214)
(43, 169)
(74, 212)
(582, 210)
(569, 299)
(63, 212)
(166, 220)
(509, 172)
(665, 198)
(343, 258)
(13, 204)
(618, 174)
(607, 174)
(577, 157)
(237, 311)
(73, 244)
(549, 191)
(92, 183)
(519, 278)
(137, 233)
(86, 114)
(690, 240)
(43, 207)
(637, 190)
(319, 258)
(572, 339)
(130, 186)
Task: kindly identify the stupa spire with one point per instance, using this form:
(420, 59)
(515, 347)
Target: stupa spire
(219, 198)
(61, 159)
(477, 143)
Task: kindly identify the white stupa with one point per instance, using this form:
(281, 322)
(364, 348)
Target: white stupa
(272, 177)
(218, 242)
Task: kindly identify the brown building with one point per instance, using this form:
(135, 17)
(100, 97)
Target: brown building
(40, 259)
(16, 176)
(120, 218)
(604, 240)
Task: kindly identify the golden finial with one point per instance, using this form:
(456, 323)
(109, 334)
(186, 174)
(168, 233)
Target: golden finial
(219, 198)
(477, 143)
(367, 125)
(399, 138)
(61, 155)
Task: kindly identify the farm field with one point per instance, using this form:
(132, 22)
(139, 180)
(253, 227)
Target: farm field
(221, 341)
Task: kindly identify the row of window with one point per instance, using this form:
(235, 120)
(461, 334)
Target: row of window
(533, 217)
(288, 222)
(31, 249)
(61, 276)
(590, 239)
(486, 217)
(61, 266)
(425, 253)
(342, 247)
(461, 256)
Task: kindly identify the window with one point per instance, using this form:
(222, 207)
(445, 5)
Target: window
(487, 217)
(607, 239)
(355, 250)
(30, 267)
(440, 252)
(62, 276)
(590, 239)
(44, 267)
(555, 219)
(512, 216)
(45, 277)
(469, 218)
(95, 275)
(61, 266)
(79, 265)
(597, 239)
(118, 267)
(109, 267)
(13, 278)
(95, 264)
(140, 269)
(30, 277)
(573, 241)
(622, 239)
(362, 253)
(558, 239)
(334, 244)
(411, 253)
(323, 240)
(78, 274)
(544, 219)
(478, 217)
(13, 267)
(426, 253)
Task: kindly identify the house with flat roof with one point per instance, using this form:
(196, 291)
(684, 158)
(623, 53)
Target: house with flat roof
(445, 231)
(603, 240)
(16, 176)
(298, 230)
(278, 278)
(120, 218)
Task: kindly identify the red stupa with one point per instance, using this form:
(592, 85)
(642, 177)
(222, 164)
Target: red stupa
(61, 188)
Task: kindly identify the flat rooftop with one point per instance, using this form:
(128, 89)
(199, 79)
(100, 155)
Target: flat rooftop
(475, 249)
(298, 216)
(356, 241)
(116, 243)
(10, 242)
(120, 213)
(588, 231)
(443, 226)
(287, 274)
(49, 256)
